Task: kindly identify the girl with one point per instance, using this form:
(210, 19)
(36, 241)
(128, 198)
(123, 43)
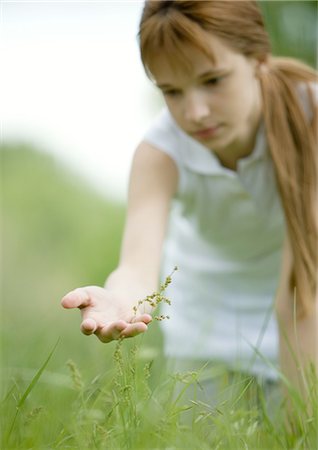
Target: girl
(226, 179)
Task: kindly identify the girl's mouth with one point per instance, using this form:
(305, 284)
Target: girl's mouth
(206, 133)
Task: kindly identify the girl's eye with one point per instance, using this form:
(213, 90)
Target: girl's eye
(171, 93)
(213, 81)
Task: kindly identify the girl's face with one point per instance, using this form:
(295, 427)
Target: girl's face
(218, 104)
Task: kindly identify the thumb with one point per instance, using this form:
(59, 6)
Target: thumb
(79, 298)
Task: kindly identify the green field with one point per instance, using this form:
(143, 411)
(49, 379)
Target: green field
(59, 234)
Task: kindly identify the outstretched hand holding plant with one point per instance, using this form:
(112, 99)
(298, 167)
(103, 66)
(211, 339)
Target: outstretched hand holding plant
(106, 313)
(113, 314)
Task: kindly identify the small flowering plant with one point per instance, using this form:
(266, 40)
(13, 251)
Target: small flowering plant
(156, 298)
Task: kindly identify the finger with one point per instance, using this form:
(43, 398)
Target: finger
(133, 329)
(111, 331)
(146, 318)
(88, 326)
(79, 298)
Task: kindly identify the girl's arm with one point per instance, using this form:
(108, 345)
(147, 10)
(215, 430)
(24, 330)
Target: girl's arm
(298, 336)
(108, 311)
(153, 182)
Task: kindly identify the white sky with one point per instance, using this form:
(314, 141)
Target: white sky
(71, 82)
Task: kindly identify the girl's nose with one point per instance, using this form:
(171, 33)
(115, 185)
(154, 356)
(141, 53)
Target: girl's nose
(196, 107)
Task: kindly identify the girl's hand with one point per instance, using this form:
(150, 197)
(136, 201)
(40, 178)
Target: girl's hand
(106, 314)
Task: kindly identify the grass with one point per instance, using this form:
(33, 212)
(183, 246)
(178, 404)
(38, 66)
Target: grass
(135, 403)
(130, 405)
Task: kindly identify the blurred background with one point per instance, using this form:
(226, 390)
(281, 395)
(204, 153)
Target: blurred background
(74, 104)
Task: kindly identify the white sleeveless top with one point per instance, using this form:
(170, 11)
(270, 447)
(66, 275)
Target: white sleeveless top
(225, 235)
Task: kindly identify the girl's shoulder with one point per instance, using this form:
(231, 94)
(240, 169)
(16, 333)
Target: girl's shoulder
(165, 134)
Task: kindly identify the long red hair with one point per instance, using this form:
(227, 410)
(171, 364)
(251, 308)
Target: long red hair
(291, 127)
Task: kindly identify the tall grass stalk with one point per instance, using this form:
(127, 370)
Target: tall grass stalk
(27, 392)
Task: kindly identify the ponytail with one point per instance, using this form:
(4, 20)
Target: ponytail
(291, 126)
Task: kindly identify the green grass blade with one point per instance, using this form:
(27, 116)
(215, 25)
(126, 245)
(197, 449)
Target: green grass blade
(33, 382)
(36, 377)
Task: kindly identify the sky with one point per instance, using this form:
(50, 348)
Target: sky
(72, 84)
